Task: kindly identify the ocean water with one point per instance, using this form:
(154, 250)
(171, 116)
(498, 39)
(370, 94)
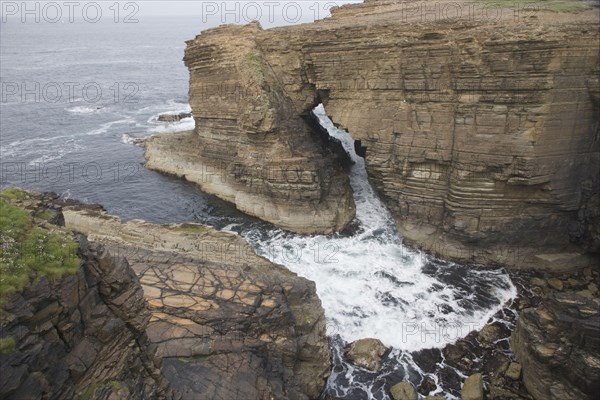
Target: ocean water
(76, 95)
(372, 286)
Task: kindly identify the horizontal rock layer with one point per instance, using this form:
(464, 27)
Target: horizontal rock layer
(250, 146)
(227, 323)
(557, 343)
(481, 134)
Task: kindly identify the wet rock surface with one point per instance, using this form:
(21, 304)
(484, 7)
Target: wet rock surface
(558, 347)
(366, 353)
(472, 388)
(174, 117)
(489, 355)
(403, 391)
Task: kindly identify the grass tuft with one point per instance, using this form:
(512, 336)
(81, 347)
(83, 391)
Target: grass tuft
(13, 194)
(256, 64)
(7, 344)
(28, 251)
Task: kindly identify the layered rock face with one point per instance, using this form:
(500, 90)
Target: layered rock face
(81, 336)
(481, 132)
(250, 146)
(557, 343)
(227, 323)
(161, 312)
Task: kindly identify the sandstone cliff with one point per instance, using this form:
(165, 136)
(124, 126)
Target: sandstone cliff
(227, 323)
(250, 146)
(81, 335)
(163, 311)
(480, 133)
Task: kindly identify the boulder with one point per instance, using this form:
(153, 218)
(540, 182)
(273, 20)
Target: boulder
(366, 353)
(403, 391)
(555, 283)
(538, 282)
(490, 334)
(472, 388)
(513, 371)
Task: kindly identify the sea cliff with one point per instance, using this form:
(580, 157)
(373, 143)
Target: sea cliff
(480, 134)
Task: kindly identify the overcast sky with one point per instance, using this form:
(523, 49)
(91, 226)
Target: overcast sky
(228, 11)
(246, 7)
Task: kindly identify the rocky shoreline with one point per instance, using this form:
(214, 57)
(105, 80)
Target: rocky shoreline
(481, 137)
(194, 302)
(214, 319)
(531, 348)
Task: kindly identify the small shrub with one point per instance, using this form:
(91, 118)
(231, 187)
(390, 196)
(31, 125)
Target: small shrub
(7, 344)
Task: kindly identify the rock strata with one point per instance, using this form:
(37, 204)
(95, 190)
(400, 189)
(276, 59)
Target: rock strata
(480, 134)
(227, 324)
(81, 336)
(250, 145)
(161, 311)
(557, 345)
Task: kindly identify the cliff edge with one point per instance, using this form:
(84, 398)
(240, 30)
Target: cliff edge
(147, 311)
(480, 133)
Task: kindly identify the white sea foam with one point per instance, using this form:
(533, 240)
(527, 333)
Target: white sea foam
(42, 150)
(127, 139)
(46, 149)
(186, 124)
(372, 286)
(106, 126)
(85, 109)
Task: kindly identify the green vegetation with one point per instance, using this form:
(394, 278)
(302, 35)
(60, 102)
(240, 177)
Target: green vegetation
(191, 228)
(89, 392)
(548, 5)
(256, 64)
(117, 386)
(44, 215)
(7, 344)
(13, 194)
(308, 318)
(27, 251)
